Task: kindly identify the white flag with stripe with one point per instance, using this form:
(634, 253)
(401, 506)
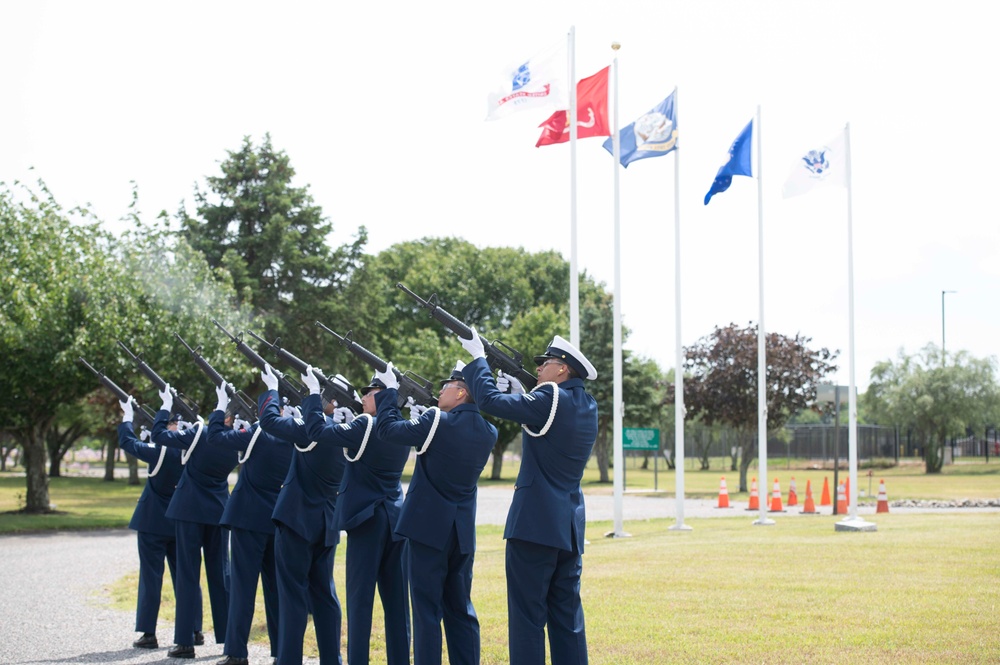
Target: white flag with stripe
(539, 82)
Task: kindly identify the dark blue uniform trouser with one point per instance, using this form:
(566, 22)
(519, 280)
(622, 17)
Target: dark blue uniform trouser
(252, 555)
(305, 582)
(543, 588)
(192, 538)
(441, 589)
(153, 550)
(373, 557)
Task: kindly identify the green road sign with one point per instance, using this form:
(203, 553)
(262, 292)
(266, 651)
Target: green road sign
(640, 438)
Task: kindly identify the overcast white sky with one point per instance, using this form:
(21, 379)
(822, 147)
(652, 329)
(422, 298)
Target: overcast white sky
(380, 107)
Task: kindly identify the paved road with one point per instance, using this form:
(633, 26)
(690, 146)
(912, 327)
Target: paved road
(53, 609)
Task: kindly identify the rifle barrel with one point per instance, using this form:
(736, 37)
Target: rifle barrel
(186, 345)
(227, 333)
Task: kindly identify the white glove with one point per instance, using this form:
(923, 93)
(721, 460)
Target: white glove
(223, 395)
(240, 424)
(289, 411)
(126, 410)
(270, 380)
(509, 384)
(474, 346)
(310, 381)
(388, 377)
(344, 384)
(342, 415)
(168, 398)
(144, 434)
(416, 410)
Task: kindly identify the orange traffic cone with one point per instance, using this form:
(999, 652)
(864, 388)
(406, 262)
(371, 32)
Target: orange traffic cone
(754, 499)
(847, 490)
(810, 507)
(883, 499)
(824, 498)
(776, 498)
(841, 500)
(793, 498)
(723, 494)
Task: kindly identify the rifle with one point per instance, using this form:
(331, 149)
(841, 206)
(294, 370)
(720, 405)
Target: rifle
(288, 387)
(142, 414)
(509, 361)
(408, 385)
(182, 406)
(239, 404)
(332, 391)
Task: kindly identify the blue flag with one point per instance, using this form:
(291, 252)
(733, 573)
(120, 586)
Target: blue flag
(652, 135)
(738, 164)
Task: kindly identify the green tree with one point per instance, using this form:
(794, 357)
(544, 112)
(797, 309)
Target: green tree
(508, 294)
(936, 401)
(69, 290)
(271, 237)
(59, 299)
(722, 387)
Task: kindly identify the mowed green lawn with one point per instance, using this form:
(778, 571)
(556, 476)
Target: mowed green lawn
(922, 589)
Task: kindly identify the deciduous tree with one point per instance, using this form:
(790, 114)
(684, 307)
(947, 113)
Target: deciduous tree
(59, 299)
(720, 382)
(936, 401)
(70, 290)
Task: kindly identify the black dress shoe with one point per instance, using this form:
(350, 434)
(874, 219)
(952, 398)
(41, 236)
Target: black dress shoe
(232, 660)
(199, 638)
(147, 641)
(180, 651)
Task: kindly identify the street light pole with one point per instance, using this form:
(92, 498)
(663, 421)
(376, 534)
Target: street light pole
(943, 356)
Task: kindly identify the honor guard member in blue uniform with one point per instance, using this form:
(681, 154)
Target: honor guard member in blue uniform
(154, 532)
(367, 508)
(196, 509)
(546, 522)
(264, 464)
(306, 541)
(438, 519)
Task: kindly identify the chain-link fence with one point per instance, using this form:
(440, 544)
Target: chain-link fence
(715, 447)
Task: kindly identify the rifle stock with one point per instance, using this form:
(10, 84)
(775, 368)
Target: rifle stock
(506, 358)
(410, 385)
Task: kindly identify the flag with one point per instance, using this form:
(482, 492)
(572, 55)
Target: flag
(652, 135)
(739, 163)
(539, 82)
(591, 112)
(826, 165)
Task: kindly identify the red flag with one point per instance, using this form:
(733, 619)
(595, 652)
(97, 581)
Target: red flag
(591, 113)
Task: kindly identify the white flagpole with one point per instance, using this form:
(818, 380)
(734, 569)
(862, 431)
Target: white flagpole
(617, 402)
(574, 278)
(763, 490)
(678, 349)
(852, 522)
(852, 400)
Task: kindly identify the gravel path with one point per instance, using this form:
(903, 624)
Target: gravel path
(54, 608)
